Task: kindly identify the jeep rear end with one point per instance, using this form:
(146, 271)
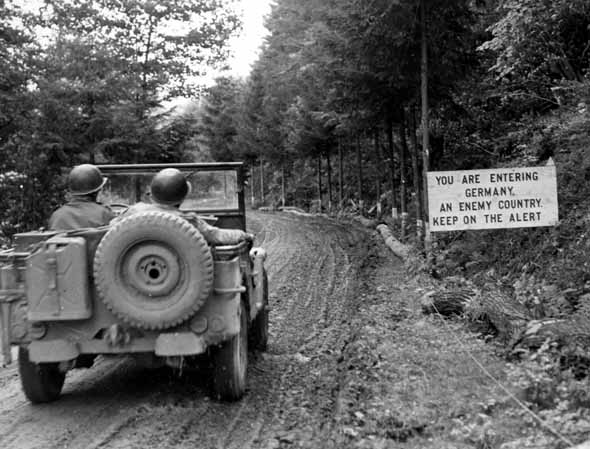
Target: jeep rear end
(148, 285)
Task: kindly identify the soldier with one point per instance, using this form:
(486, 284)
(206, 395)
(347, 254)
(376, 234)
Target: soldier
(168, 189)
(82, 211)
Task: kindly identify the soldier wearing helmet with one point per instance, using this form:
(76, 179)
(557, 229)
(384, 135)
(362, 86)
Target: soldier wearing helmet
(82, 210)
(168, 189)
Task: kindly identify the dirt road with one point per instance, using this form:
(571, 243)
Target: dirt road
(315, 269)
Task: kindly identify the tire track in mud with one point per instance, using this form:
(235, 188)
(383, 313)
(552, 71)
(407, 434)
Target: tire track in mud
(317, 303)
(313, 266)
(19, 417)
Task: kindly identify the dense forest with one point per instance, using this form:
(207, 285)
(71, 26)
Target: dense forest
(352, 101)
(84, 81)
(332, 115)
(332, 111)
(349, 103)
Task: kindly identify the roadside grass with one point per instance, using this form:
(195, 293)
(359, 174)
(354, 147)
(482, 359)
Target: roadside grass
(409, 381)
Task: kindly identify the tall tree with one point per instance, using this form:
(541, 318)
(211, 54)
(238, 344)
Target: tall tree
(120, 59)
(333, 70)
(220, 119)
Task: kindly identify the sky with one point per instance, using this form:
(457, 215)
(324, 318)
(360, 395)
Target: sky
(246, 46)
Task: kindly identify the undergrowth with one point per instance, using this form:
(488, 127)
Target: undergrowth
(547, 272)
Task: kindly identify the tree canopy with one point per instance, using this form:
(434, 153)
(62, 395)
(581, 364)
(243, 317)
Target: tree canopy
(83, 80)
(333, 100)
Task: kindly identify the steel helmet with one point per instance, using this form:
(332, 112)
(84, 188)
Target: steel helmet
(169, 187)
(85, 179)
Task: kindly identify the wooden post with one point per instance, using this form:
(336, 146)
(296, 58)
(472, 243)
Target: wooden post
(425, 121)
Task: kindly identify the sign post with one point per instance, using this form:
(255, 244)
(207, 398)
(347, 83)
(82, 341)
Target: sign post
(492, 199)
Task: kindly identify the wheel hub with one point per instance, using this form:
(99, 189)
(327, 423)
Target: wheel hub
(152, 269)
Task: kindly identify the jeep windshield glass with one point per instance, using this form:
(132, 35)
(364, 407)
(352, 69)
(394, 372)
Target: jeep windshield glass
(210, 190)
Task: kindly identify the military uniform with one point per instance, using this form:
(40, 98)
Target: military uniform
(212, 234)
(80, 212)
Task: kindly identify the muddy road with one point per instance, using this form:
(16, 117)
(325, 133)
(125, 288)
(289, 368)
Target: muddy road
(316, 267)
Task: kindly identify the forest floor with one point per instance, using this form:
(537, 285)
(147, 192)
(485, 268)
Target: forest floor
(423, 381)
(352, 363)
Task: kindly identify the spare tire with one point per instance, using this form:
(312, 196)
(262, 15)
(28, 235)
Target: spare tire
(153, 270)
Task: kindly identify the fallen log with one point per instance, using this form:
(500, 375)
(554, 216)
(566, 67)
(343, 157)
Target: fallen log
(490, 311)
(291, 209)
(398, 248)
(366, 222)
(571, 337)
(559, 332)
(500, 312)
(295, 211)
(446, 302)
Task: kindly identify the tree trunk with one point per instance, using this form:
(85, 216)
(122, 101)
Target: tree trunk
(340, 174)
(379, 164)
(141, 107)
(377, 171)
(496, 311)
(261, 182)
(560, 332)
(251, 185)
(378, 208)
(446, 302)
(399, 249)
(320, 182)
(416, 174)
(359, 162)
(283, 185)
(391, 148)
(402, 171)
(425, 120)
(329, 180)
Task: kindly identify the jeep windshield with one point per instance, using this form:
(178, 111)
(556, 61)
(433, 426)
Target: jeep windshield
(214, 187)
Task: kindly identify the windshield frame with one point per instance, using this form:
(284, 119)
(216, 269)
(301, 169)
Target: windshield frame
(135, 169)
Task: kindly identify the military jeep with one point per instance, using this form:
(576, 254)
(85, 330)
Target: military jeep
(148, 285)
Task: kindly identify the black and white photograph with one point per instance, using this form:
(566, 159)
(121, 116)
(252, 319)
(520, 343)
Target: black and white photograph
(294, 224)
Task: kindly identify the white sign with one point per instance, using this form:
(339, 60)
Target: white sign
(492, 199)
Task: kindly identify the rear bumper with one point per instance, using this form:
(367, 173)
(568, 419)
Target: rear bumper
(164, 345)
(216, 322)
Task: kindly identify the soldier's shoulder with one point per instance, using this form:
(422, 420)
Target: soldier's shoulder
(59, 209)
(56, 217)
